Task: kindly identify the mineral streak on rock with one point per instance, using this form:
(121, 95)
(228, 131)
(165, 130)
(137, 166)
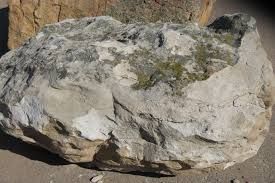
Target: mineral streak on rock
(29, 16)
(151, 97)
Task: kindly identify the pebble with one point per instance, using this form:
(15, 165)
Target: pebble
(235, 181)
(97, 179)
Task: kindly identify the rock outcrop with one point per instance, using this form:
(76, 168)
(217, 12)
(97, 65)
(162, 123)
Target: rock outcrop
(29, 16)
(146, 97)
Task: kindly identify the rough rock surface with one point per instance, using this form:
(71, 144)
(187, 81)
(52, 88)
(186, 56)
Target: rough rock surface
(140, 97)
(34, 14)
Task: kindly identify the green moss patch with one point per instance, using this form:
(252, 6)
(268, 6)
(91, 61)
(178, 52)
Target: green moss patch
(161, 67)
(226, 38)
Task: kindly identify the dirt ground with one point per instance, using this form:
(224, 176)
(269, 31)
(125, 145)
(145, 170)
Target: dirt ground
(22, 163)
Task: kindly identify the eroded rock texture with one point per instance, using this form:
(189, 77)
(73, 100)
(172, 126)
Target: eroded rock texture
(157, 97)
(29, 16)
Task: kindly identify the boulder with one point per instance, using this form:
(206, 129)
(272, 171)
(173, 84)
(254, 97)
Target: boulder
(29, 16)
(151, 97)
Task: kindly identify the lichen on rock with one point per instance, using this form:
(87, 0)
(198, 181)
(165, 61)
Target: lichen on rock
(151, 97)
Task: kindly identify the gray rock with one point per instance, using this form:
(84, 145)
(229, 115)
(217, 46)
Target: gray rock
(157, 97)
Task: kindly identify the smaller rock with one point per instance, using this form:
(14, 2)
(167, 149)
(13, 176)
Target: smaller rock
(97, 179)
(235, 181)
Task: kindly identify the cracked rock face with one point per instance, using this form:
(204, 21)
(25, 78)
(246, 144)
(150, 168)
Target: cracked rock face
(34, 14)
(157, 97)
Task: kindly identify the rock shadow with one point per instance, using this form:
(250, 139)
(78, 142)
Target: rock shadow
(29, 151)
(37, 153)
(4, 26)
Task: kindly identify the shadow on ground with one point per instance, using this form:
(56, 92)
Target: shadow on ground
(4, 20)
(37, 153)
(29, 151)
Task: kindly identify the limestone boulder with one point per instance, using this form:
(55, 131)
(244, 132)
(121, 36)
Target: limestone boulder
(151, 97)
(29, 16)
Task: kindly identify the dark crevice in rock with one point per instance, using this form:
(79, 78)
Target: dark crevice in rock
(4, 109)
(236, 24)
(60, 127)
(30, 71)
(11, 77)
(113, 120)
(161, 39)
(198, 137)
(147, 136)
(116, 102)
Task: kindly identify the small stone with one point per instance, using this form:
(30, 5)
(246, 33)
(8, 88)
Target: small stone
(235, 181)
(97, 179)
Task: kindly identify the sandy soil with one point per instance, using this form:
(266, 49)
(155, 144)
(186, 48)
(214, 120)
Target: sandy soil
(22, 163)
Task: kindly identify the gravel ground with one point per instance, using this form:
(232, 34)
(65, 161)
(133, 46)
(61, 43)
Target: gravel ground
(21, 163)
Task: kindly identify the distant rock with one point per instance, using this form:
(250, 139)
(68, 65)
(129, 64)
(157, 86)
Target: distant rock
(152, 97)
(28, 17)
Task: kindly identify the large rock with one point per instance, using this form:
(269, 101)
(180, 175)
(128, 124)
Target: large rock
(140, 97)
(28, 16)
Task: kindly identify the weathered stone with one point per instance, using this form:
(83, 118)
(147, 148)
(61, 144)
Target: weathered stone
(151, 97)
(29, 16)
